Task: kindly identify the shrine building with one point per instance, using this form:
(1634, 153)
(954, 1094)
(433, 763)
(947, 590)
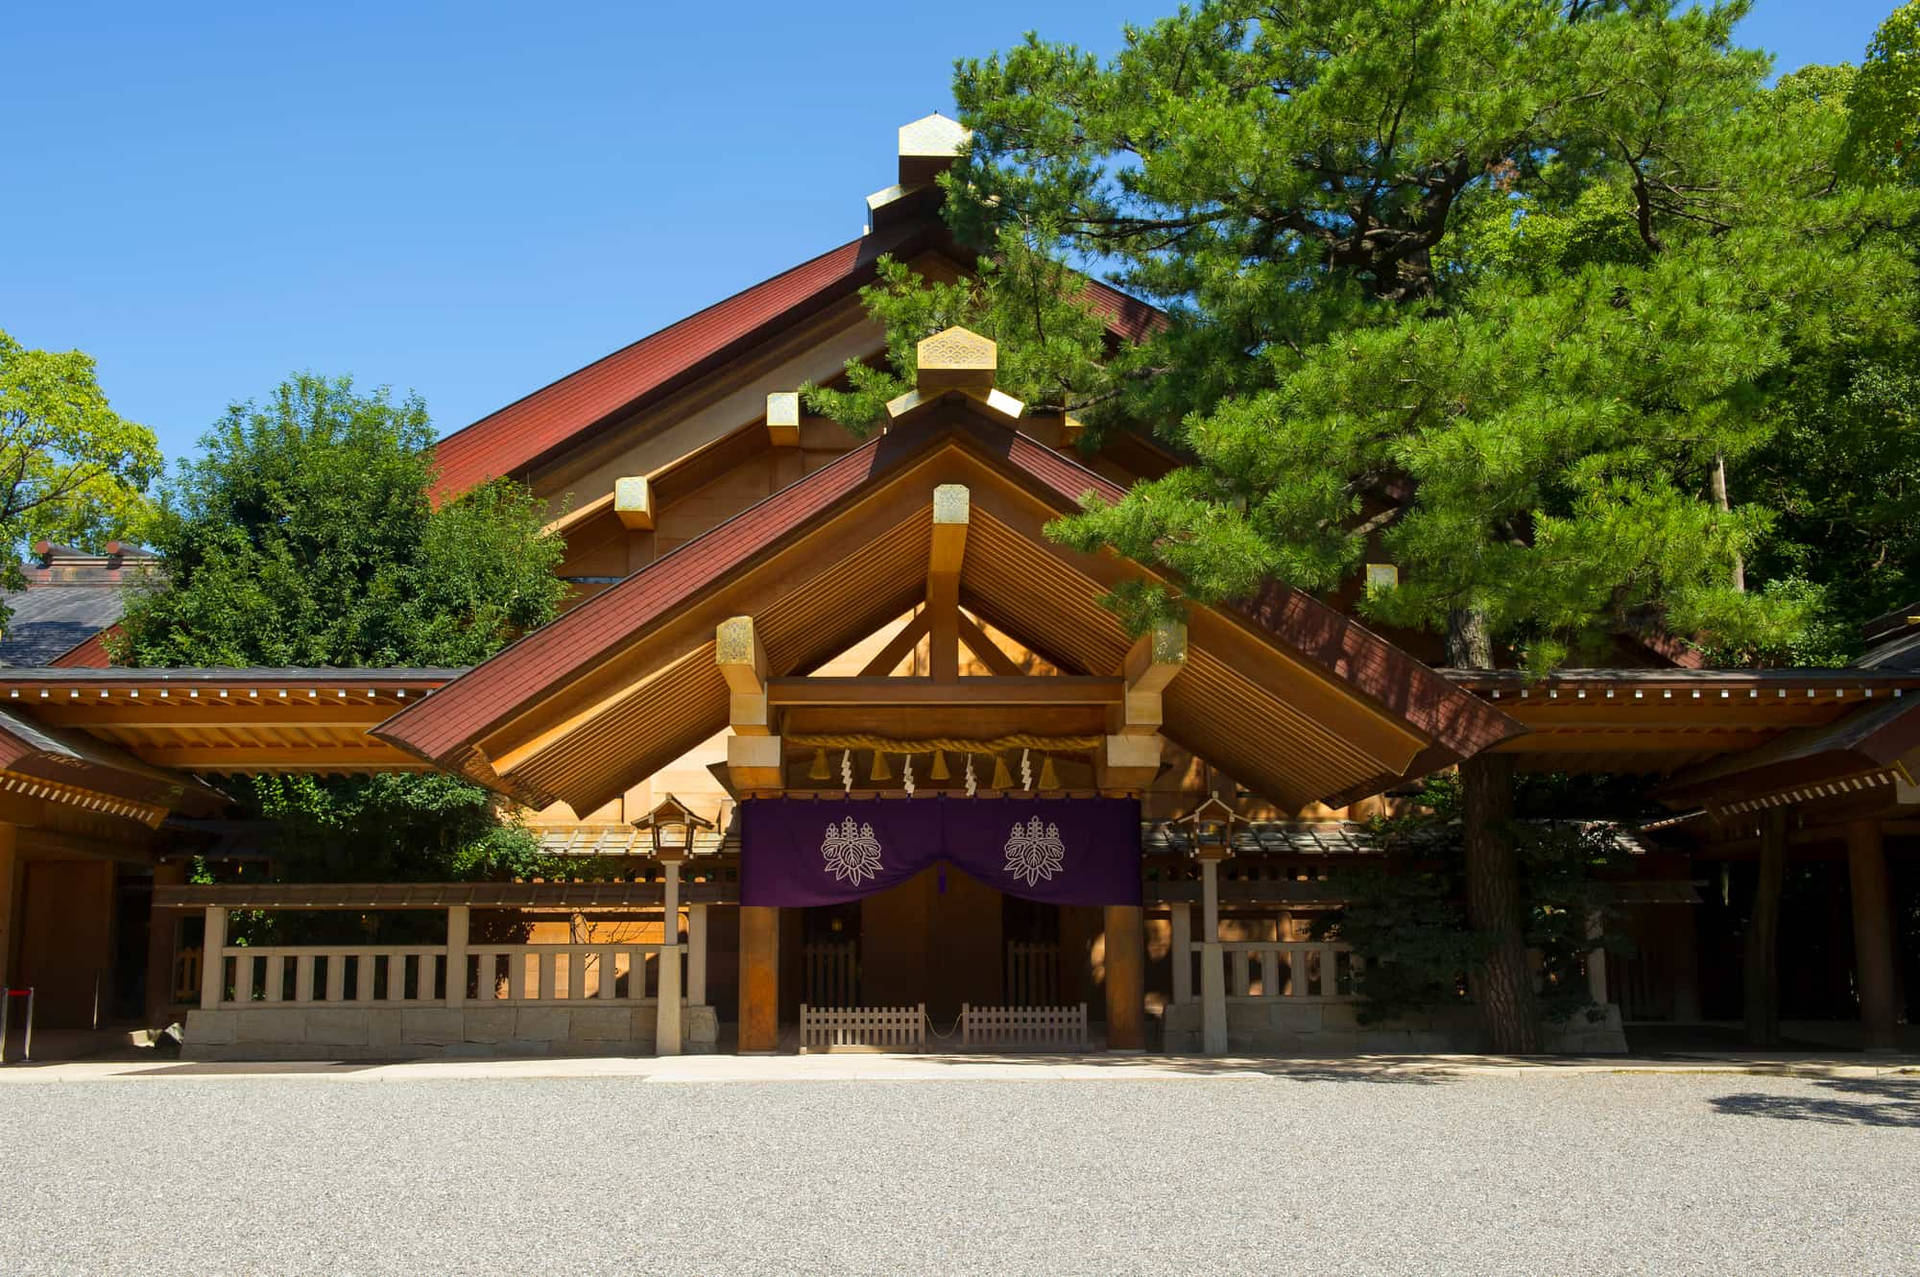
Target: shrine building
(842, 750)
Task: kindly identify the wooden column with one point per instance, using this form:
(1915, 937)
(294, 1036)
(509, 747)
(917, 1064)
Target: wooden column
(1180, 951)
(458, 930)
(1873, 947)
(696, 955)
(666, 1034)
(1685, 940)
(1126, 978)
(9, 902)
(163, 933)
(213, 967)
(759, 979)
(1596, 962)
(1763, 933)
(1213, 973)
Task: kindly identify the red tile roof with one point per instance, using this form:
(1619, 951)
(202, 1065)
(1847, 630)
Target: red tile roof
(548, 420)
(442, 727)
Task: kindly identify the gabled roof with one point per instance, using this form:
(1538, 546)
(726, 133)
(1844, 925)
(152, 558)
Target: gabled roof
(564, 414)
(1287, 694)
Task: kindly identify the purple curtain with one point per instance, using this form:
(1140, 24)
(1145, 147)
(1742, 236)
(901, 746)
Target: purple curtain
(1069, 851)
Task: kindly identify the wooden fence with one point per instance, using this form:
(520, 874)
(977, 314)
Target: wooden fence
(1024, 1028)
(863, 1028)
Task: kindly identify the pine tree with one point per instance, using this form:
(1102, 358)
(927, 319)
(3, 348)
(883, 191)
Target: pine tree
(1504, 292)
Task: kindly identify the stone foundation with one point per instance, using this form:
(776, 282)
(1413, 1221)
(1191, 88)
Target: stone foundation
(266, 1032)
(1282, 1027)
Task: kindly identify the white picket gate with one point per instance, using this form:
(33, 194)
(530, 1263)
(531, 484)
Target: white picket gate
(1024, 1028)
(863, 1028)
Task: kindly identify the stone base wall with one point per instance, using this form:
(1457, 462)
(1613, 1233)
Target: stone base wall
(1281, 1027)
(264, 1032)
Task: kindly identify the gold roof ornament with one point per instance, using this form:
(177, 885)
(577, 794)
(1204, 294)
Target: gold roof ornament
(929, 146)
(956, 359)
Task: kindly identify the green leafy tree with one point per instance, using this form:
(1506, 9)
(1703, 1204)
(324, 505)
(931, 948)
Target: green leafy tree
(71, 469)
(1883, 103)
(303, 535)
(1503, 291)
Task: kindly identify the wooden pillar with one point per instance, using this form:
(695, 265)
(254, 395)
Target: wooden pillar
(666, 1034)
(1596, 961)
(1180, 950)
(1126, 978)
(458, 929)
(1763, 933)
(1872, 936)
(759, 979)
(163, 934)
(1213, 973)
(213, 966)
(9, 903)
(696, 955)
(1685, 941)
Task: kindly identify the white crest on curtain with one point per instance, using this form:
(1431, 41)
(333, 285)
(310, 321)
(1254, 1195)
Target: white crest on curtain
(1034, 851)
(851, 851)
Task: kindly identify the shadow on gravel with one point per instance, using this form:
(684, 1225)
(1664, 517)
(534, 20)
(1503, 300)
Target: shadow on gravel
(1880, 1103)
(1407, 1072)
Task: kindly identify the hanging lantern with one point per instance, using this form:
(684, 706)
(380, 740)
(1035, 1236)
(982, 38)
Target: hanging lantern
(671, 827)
(819, 771)
(1049, 779)
(1002, 778)
(939, 769)
(1210, 828)
(880, 771)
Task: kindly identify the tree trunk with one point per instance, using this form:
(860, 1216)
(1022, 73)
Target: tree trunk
(1726, 506)
(1763, 933)
(1502, 983)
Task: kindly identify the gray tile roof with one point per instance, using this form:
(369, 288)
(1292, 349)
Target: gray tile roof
(50, 620)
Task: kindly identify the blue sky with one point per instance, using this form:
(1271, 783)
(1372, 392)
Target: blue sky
(471, 200)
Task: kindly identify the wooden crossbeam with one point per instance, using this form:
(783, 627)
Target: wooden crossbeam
(890, 656)
(1150, 664)
(985, 649)
(743, 663)
(633, 502)
(783, 418)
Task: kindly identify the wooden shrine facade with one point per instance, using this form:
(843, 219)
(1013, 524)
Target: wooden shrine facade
(766, 605)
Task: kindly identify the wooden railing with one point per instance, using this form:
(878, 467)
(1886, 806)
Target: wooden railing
(1297, 971)
(506, 975)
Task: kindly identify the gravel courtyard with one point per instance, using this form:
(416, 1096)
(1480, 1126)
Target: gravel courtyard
(1304, 1170)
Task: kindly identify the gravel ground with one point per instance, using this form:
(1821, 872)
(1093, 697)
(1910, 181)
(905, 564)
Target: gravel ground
(1304, 1171)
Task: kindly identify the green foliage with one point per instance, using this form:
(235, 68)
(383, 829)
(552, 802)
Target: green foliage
(1406, 914)
(1052, 352)
(71, 469)
(303, 535)
(1883, 102)
(1489, 289)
